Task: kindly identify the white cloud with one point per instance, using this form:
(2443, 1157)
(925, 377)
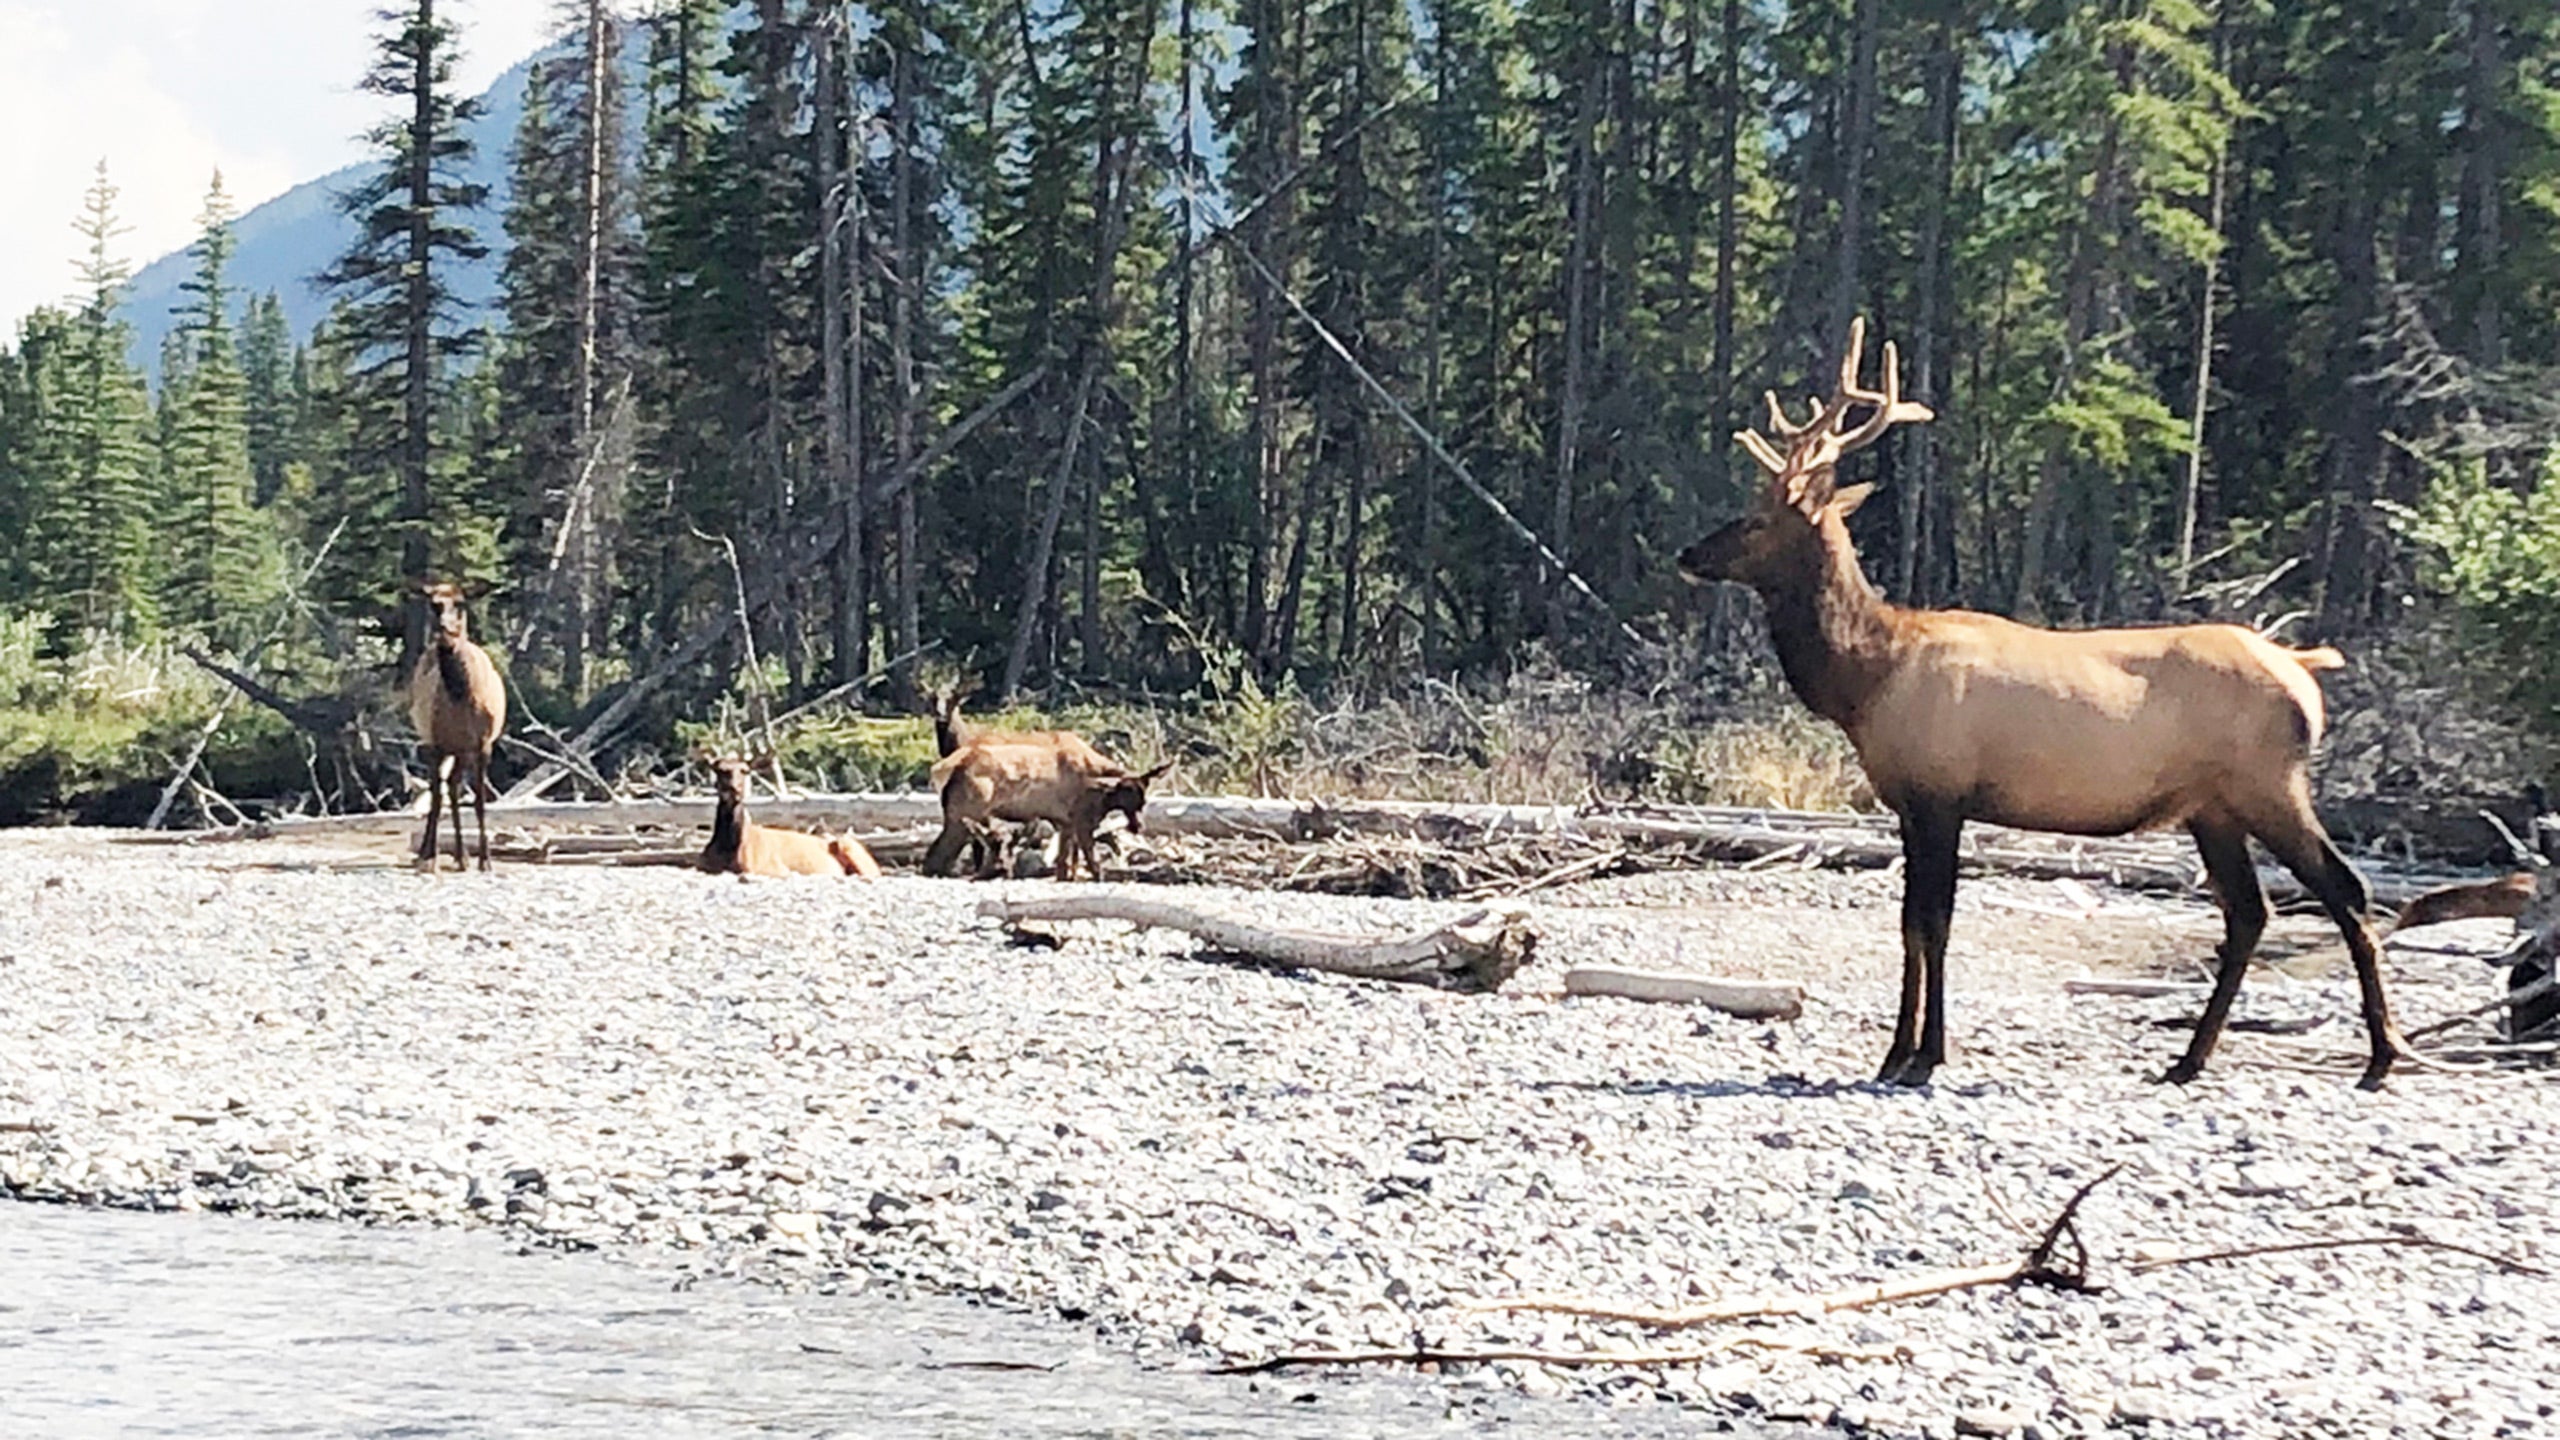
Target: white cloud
(168, 90)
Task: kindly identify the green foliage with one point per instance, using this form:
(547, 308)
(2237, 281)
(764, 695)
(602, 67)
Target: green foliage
(2497, 554)
(394, 334)
(222, 562)
(87, 725)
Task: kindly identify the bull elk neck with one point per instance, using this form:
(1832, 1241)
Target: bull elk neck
(1958, 716)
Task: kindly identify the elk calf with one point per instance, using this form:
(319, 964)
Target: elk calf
(1957, 716)
(739, 846)
(1033, 775)
(459, 707)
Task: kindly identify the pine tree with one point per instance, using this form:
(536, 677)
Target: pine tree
(96, 546)
(217, 551)
(271, 395)
(564, 371)
(397, 329)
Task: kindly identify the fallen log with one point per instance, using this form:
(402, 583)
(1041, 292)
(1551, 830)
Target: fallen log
(1476, 951)
(1707, 832)
(1749, 999)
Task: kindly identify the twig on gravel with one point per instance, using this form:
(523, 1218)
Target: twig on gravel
(2409, 1242)
(1422, 1354)
(2528, 994)
(2035, 1267)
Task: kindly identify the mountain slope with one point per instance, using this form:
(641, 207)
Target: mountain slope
(287, 241)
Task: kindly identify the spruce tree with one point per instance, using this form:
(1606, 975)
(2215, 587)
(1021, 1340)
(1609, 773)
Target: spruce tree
(95, 532)
(216, 549)
(271, 395)
(398, 332)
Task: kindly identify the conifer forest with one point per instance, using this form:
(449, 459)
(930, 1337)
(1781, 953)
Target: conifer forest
(1190, 349)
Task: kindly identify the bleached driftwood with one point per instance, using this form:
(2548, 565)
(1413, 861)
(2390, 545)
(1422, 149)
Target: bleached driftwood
(1749, 999)
(2136, 989)
(1476, 951)
(1709, 832)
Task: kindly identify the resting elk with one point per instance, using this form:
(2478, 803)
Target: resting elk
(459, 706)
(2506, 897)
(739, 846)
(1957, 716)
(1020, 776)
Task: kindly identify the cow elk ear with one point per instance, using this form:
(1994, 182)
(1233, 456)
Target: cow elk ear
(1850, 497)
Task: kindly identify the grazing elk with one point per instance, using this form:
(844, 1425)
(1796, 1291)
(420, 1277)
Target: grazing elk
(1050, 775)
(739, 846)
(1958, 716)
(459, 707)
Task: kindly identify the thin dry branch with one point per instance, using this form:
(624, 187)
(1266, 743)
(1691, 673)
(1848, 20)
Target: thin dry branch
(2359, 1242)
(1562, 1359)
(2035, 1267)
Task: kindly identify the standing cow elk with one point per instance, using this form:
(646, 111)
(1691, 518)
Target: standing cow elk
(459, 707)
(739, 846)
(1958, 716)
(1021, 776)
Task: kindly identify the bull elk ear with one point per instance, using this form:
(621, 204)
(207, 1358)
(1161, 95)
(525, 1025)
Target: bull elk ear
(1847, 500)
(1152, 776)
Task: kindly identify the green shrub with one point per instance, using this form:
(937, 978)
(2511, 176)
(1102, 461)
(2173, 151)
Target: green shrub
(2497, 555)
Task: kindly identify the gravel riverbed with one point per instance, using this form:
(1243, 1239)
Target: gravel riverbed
(833, 1083)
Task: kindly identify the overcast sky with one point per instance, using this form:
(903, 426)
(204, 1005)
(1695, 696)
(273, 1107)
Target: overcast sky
(167, 91)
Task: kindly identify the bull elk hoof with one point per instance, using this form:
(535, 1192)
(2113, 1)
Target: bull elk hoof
(2377, 1068)
(2182, 1073)
(1907, 1071)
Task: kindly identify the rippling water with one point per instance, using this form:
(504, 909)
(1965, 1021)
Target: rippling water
(115, 1323)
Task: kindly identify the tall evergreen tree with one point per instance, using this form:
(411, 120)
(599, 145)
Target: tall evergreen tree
(398, 325)
(271, 395)
(98, 554)
(217, 551)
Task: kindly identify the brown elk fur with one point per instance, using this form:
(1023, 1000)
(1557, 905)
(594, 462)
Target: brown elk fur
(2504, 898)
(1050, 775)
(1959, 716)
(739, 846)
(459, 707)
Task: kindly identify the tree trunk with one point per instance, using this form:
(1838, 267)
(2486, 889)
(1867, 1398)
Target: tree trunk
(1920, 481)
(2483, 164)
(1044, 539)
(580, 510)
(419, 359)
(1857, 138)
(838, 438)
(1728, 239)
(2191, 491)
(2036, 538)
(1579, 221)
(906, 279)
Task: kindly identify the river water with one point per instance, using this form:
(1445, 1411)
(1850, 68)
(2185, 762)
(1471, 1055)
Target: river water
(122, 1324)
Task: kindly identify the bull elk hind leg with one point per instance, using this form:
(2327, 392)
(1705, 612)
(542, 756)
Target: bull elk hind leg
(2291, 831)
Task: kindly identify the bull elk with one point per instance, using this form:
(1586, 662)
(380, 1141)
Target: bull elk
(1957, 716)
(739, 846)
(459, 707)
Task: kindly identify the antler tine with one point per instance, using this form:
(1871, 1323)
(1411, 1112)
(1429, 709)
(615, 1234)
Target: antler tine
(1890, 408)
(1762, 451)
(1849, 360)
(1786, 429)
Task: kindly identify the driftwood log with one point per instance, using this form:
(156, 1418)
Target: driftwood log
(1731, 834)
(1476, 951)
(1749, 999)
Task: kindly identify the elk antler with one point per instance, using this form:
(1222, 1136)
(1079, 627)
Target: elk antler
(1818, 444)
